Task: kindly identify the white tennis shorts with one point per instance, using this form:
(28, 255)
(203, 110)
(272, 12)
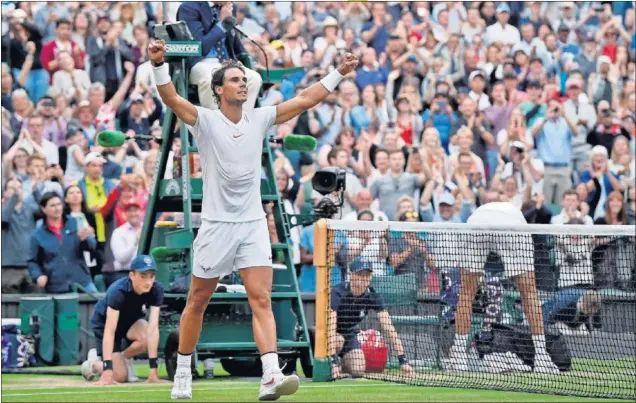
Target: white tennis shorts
(223, 247)
(515, 249)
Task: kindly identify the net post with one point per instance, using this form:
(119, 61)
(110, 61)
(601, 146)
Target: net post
(322, 366)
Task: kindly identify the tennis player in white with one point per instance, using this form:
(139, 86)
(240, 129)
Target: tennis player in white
(517, 255)
(233, 232)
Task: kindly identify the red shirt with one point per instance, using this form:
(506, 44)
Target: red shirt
(610, 51)
(56, 229)
(406, 132)
(49, 53)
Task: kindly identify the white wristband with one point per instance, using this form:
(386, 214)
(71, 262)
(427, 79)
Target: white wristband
(162, 74)
(331, 80)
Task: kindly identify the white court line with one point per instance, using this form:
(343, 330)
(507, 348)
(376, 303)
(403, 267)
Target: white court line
(247, 386)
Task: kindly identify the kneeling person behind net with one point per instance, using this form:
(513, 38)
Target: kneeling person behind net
(517, 255)
(234, 233)
(119, 317)
(350, 303)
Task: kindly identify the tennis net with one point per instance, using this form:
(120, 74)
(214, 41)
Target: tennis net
(534, 308)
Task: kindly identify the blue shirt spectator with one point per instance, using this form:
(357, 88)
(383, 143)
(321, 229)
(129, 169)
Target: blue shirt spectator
(441, 117)
(376, 32)
(554, 142)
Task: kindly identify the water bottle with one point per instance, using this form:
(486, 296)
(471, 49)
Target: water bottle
(208, 368)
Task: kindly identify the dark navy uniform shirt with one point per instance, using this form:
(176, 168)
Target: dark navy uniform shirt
(350, 309)
(122, 297)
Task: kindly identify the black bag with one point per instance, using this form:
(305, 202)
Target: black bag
(532, 112)
(518, 340)
(615, 265)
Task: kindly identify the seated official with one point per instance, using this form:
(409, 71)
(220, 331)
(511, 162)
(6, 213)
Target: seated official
(205, 24)
(574, 311)
(120, 317)
(350, 303)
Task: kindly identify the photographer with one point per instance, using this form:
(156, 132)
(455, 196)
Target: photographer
(440, 116)
(134, 118)
(520, 160)
(574, 311)
(606, 131)
(554, 147)
(584, 116)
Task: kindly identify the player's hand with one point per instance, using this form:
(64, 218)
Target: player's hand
(349, 64)
(107, 379)
(156, 51)
(336, 371)
(407, 370)
(153, 376)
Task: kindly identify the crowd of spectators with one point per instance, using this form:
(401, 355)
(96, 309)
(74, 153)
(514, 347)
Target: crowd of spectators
(454, 104)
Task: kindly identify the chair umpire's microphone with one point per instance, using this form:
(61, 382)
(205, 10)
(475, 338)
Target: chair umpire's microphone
(229, 23)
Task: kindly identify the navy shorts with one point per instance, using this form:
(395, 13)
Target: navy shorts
(120, 343)
(350, 341)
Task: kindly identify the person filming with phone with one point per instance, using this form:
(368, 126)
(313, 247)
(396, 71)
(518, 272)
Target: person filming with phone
(554, 146)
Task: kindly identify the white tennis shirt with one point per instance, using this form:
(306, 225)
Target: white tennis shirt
(231, 162)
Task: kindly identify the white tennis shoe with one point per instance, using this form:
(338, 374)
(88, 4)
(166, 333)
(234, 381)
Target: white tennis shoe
(182, 387)
(132, 377)
(273, 386)
(458, 359)
(543, 365)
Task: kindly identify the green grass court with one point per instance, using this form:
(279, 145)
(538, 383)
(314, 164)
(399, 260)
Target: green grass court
(56, 388)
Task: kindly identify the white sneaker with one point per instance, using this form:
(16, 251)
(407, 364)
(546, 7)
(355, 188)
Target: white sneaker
(87, 366)
(274, 386)
(182, 387)
(458, 359)
(543, 365)
(132, 377)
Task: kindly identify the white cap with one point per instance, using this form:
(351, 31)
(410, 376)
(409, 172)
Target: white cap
(518, 144)
(447, 198)
(94, 157)
(601, 60)
(475, 74)
(330, 22)
(599, 150)
(19, 14)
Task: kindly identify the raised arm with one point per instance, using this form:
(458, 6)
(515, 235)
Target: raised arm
(310, 97)
(168, 93)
